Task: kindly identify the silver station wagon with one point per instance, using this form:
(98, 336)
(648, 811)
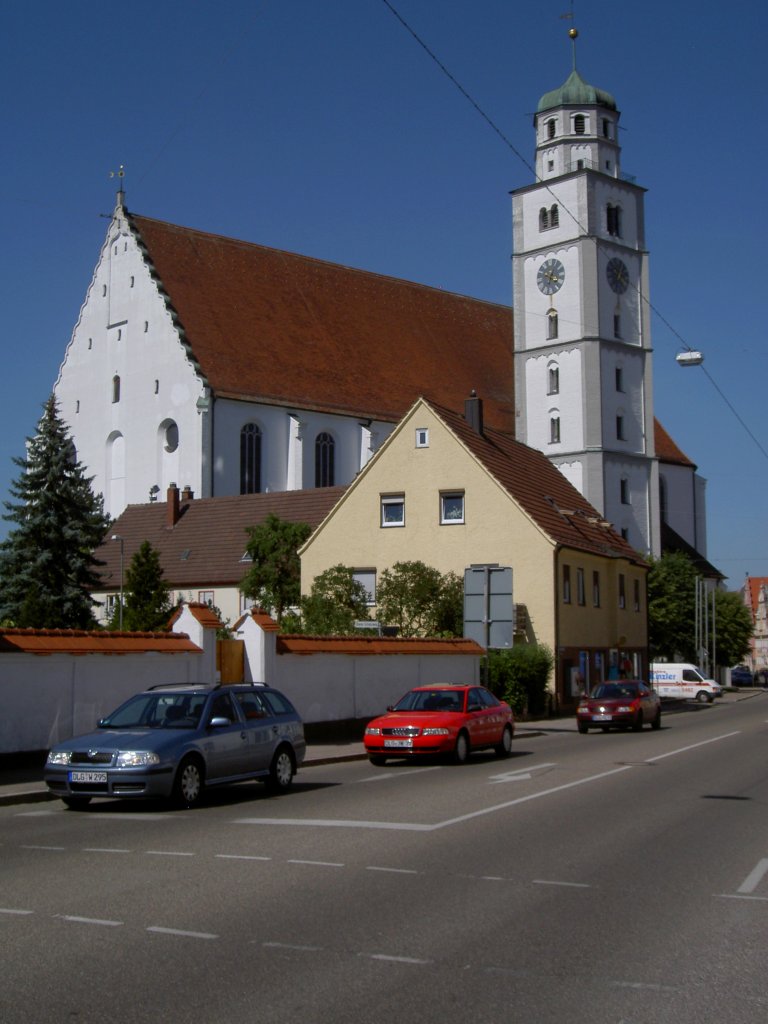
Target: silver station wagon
(173, 741)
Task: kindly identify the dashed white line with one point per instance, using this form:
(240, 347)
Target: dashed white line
(31, 847)
(737, 896)
(394, 871)
(184, 934)
(335, 823)
(317, 863)
(396, 959)
(88, 920)
(169, 853)
(12, 910)
(754, 878)
(102, 849)
(571, 885)
(399, 774)
(290, 945)
(240, 856)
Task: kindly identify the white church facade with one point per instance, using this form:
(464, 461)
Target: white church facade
(230, 368)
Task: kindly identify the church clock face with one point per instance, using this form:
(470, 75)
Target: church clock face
(617, 274)
(550, 276)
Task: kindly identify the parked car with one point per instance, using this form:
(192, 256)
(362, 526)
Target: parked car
(679, 680)
(742, 676)
(175, 741)
(626, 704)
(443, 719)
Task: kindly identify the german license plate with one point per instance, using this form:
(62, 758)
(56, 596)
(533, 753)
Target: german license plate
(601, 718)
(87, 776)
(398, 743)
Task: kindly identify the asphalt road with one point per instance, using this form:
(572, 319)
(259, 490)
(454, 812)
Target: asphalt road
(603, 879)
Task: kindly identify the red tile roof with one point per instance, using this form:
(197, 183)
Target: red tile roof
(272, 326)
(667, 450)
(206, 546)
(75, 641)
(541, 490)
(297, 644)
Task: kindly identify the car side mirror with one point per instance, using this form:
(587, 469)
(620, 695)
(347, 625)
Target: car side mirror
(219, 722)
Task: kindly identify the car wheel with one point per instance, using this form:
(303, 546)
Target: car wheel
(656, 723)
(583, 727)
(377, 759)
(281, 771)
(704, 698)
(461, 750)
(504, 749)
(189, 782)
(637, 725)
(76, 803)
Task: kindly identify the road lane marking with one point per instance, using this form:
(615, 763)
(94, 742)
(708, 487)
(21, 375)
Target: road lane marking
(169, 853)
(12, 910)
(396, 959)
(735, 896)
(29, 846)
(289, 945)
(400, 774)
(693, 746)
(240, 856)
(520, 774)
(394, 871)
(89, 920)
(317, 863)
(103, 849)
(754, 878)
(184, 934)
(333, 823)
(572, 885)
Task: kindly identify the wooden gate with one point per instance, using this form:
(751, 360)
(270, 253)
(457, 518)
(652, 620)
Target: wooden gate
(230, 660)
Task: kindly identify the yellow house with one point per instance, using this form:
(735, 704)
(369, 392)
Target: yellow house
(447, 491)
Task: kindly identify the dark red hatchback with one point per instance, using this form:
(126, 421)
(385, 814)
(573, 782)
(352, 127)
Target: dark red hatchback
(625, 703)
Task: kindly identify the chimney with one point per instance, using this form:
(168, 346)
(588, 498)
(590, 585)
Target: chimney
(473, 412)
(187, 494)
(172, 515)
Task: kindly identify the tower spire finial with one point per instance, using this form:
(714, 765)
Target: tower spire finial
(119, 174)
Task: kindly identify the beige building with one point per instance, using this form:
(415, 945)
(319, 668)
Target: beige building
(447, 491)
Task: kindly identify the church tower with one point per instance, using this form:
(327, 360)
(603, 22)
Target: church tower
(583, 387)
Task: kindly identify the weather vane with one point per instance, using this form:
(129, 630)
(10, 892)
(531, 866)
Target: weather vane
(118, 174)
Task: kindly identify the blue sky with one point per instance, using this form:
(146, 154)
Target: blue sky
(322, 127)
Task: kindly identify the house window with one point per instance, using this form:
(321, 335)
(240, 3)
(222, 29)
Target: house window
(205, 597)
(625, 534)
(554, 216)
(552, 325)
(636, 589)
(393, 510)
(566, 584)
(422, 437)
(596, 588)
(613, 220)
(452, 507)
(250, 459)
(663, 498)
(550, 165)
(553, 381)
(581, 596)
(171, 436)
(543, 218)
(620, 428)
(579, 124)
(554, 430)
(624, 491)
(367, 578)
(606, 128)
(115, 389)
(619, 379)
(622, 591)
(551, 128)
(617, 325)
(324, 460)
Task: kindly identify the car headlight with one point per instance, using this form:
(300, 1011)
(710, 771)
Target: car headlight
(59, 757)
(136, 758)
(371, 730)
(436, 731)
(625, 710)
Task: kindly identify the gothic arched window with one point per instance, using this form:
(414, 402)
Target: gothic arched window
(250, 459)
(324, 460)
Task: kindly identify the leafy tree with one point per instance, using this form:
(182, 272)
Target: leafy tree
(47, 566)
(733, 628)
(672, 607)
(519, 675)
(419, 600)
(336, 601)
(147, 598)
(274, 581)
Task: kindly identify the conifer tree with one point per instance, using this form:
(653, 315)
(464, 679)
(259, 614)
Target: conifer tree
(47, 566)
(147, 601)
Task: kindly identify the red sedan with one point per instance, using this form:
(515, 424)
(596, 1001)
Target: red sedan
(442, 719)
(627, 704)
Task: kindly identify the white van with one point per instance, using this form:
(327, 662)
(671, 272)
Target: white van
(680, 679)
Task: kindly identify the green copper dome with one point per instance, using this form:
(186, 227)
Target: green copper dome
(577, 93)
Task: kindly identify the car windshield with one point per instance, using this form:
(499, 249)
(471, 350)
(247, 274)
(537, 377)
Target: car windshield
(614, 691)
(157, 711)
(431, 700)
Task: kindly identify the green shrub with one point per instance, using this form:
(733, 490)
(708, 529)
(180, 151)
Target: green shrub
(519, 676)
